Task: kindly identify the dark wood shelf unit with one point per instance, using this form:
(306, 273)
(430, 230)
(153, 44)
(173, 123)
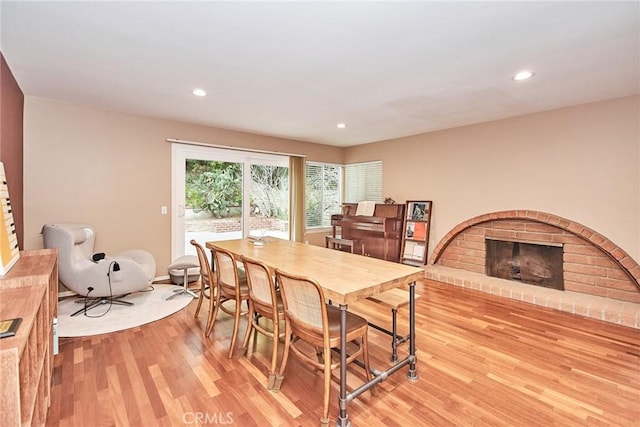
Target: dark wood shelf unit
(415, 237)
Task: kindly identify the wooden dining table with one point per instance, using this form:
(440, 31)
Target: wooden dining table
(345, 278)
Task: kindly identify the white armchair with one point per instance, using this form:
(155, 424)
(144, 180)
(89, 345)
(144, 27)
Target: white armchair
(101, 280)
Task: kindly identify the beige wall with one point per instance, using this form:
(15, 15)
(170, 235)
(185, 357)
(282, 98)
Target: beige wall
(113, 171)
(581, 163)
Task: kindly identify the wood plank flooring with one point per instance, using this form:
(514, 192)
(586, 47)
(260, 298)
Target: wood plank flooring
(482, 361)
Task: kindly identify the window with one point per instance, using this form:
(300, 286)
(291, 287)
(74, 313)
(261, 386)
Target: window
(322, 193)
(363, 181)
(221, 194)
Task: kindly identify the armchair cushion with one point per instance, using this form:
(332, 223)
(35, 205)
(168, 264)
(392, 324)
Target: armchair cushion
(143, 258)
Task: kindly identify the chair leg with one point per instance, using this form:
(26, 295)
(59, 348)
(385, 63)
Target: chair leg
(236, 323)
(214, 305)
(250, 326)
(272, 381)
(90, 302)
(87, 305)
(285, 356)
(274, 354)
(202, 289)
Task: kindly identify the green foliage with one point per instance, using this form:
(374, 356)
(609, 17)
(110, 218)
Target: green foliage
(216, 187)
(213, 187)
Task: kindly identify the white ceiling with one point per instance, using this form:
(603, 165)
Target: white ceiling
(296, 69)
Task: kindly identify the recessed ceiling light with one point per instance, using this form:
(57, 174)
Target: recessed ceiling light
(341, 125)
(199, 92)
(523, 75)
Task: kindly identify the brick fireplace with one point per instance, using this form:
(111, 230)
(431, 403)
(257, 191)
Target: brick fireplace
(595, 271)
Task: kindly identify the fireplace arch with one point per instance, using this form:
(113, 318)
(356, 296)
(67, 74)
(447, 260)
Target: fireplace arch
(593, 264)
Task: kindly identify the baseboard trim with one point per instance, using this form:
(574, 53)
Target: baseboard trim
(65, 294)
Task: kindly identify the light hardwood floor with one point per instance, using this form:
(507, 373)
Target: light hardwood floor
(482, 361)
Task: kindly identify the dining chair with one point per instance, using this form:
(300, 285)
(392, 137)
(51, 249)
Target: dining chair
(230, 286)
(309, 319)
(264, 302)
(207, 279)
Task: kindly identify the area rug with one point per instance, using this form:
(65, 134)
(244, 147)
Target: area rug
(148, 307)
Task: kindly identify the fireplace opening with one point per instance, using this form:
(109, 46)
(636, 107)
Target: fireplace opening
(531, 263)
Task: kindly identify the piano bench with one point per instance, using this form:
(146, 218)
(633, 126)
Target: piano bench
(337, 243)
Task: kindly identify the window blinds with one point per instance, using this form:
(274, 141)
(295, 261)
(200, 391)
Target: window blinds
(363, 181)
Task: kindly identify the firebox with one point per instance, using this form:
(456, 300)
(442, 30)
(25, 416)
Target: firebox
(526, 262)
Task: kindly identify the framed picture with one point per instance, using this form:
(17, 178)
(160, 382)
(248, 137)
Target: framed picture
(9, 251)
(410, 230)
(417, 211)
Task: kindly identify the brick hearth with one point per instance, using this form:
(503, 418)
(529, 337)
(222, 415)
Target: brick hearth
(601, 308)
(600, 279)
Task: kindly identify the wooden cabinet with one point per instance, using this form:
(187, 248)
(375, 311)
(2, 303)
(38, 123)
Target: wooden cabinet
(28, 291)
(415, 239)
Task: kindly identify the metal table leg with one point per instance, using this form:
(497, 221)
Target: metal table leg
(343, 418)
(412, 374)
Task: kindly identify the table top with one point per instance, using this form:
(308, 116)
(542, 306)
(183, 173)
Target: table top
(344, 277)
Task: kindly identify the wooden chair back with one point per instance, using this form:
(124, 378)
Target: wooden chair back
(304, 304)
(206, 274)
(262, 289)
(207, 279)
(226, 272)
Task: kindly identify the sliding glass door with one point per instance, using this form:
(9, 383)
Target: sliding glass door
(269, 199)
(221, 194)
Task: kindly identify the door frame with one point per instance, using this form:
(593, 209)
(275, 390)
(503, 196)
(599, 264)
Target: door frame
(180, 152)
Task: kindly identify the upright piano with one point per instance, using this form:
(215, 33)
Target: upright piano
(381, 232)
